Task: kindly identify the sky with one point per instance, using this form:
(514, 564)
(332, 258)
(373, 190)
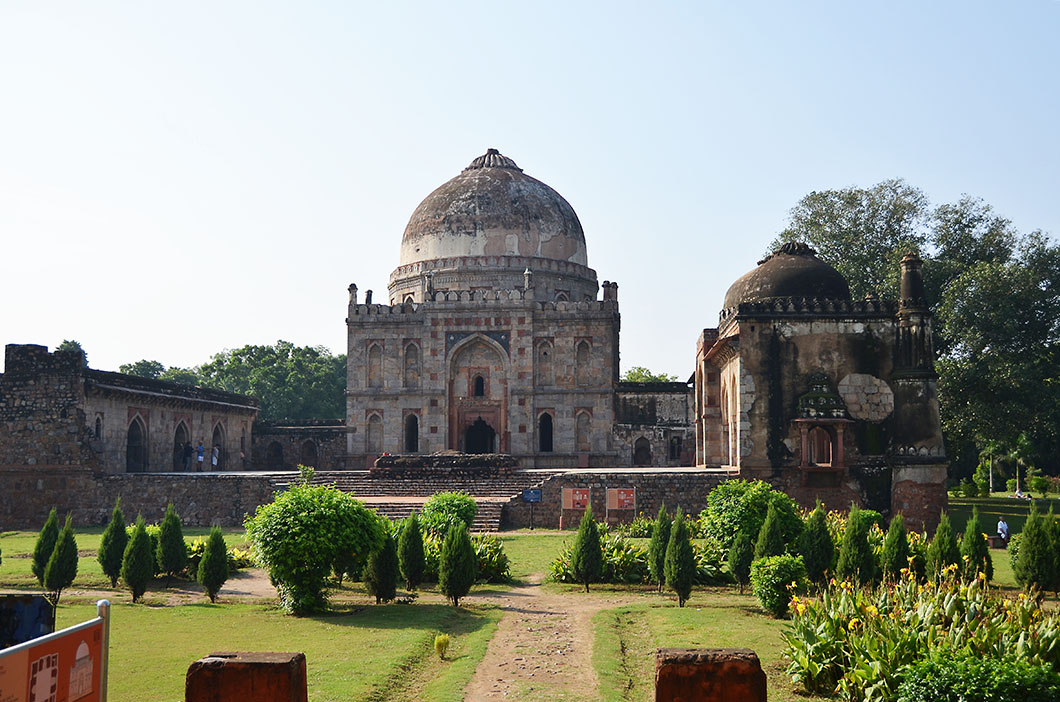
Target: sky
(181, 178)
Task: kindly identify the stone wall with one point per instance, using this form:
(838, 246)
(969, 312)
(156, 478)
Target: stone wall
(200, 499)
(320, 444)
(686, 488)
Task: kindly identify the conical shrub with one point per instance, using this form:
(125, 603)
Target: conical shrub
(42, 550)
(587, 557)
(1035, 563)
(856, 561)
(172, 555)
(138, 562)
(816, 547)
(213, 568)
(942, 551)
(61, 570)
(381, 572)
(895, 550)
(740, 557)
(680, 560)
(457, 564)
(660, 539)
(771, 536)
(412, 562)
(974, 549)
(112, 545)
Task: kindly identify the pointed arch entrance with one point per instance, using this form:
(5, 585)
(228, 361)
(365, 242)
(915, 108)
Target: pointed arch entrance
(136, 447)
(217, 446)
(180, 437)
(642, 452)
(480, 437)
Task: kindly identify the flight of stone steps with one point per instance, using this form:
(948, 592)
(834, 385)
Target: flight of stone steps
(397, 497)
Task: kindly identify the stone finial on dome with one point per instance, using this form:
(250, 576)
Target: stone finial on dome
(792, 248)
(493, 159)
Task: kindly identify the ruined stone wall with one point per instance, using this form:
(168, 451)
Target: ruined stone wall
(686, 488)
(200, 499)
(320, 444)
(420, 367)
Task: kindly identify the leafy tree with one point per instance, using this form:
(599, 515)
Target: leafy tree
(740, 557)
(587, 557)
(184, 376)
(138, 562)
(1035, 564)
(213, 568)
(381, 571)
(680, 560)
(816, 546)
(172, 553)
(738, 506)
(660, 538)
(457, 564)
(70, 346)
(410, 553)
(770, 537)
(112, 545)
(640, 374)
(895, 550)
(943, 549)
(42, 550)
(444, 509)
(975, 551)
(291, 382)
(61, 570)
(142, 368)
(856, 561)
(296, 538)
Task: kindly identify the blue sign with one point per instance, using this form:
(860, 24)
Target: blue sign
(24, 618)
(532, 495)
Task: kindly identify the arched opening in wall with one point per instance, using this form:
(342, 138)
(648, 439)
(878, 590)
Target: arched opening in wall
(217, 448)
(642, 452)
(180, 437)
(820, 447)
(676, 448)
(544, 365)
(99, 427)
(374, 439)
(582, 429)
(412, 434)
(375, 366)
(308, 454)
(409, 299)
(582, 353)
(412, 366)
(544, 433)
(136, 447)
(479, 386)
(562, 296)
(274, 456)
(480, 437)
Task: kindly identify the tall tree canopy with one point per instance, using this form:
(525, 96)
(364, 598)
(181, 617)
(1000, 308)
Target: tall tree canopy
(640, 374)
(995, 293)
(70, 345)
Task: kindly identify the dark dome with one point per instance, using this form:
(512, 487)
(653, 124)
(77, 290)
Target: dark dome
(493, 209)
(792, 271)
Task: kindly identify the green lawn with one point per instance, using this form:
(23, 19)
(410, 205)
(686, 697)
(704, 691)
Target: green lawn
(990, 508)
(530, 552)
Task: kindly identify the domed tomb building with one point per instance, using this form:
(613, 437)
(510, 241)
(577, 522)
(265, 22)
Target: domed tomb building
(824, 396)
(496, 335)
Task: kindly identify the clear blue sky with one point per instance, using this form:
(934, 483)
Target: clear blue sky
(180, 178)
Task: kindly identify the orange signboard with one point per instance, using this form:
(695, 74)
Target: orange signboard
(64, 667)
(575, 498)
(621, 498)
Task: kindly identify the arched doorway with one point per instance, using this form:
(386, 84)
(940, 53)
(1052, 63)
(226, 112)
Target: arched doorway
(544, 433)
(309, 453)
(136, 447)
(217, 447)
(180, 437)
(642, 452)
(412, 434)
(820, 447)
(479, 437)
(274, 456)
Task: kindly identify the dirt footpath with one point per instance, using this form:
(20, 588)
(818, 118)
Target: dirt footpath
(543, 646)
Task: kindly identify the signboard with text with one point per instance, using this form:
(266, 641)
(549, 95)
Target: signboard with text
(575, 498)
(621, 498)
(532, 495)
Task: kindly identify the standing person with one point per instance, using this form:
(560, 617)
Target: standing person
(1002, 531)
(187, 456)
(200, 453)
(216, 454)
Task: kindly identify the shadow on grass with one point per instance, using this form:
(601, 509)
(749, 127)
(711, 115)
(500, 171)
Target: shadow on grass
(428, 617)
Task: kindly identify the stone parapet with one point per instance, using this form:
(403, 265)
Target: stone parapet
(247, 677)
(708, 675)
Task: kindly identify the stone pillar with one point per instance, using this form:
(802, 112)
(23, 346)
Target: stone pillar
(247, 677)
(708, 675)
(918, 491)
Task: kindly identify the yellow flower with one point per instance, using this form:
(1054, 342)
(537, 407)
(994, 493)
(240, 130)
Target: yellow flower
(800, 608)
(854, 624)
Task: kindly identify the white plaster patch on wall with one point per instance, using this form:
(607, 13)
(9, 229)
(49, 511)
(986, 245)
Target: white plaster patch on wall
(867, 397)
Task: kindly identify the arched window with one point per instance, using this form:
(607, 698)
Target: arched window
(136, 447)
(412, 433)
(582, 354)
(562, 296)
(642, 452)
(180, 437)
(820, 447)
(309, 453)
(544, 432)
(409, 299)
(375, 435)
(99, 427)
(479, 386)
(375, 366)
(274, 456)
(545, 375)
(412, 366)
(582, 427)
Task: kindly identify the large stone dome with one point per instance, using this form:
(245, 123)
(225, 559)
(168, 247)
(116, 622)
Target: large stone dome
(493, 209)
(484, 229)
(793, 270)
